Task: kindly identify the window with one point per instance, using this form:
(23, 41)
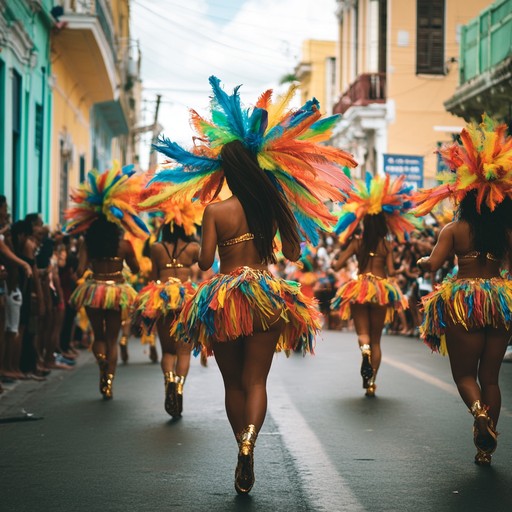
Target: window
(430, 37)
(16, 141)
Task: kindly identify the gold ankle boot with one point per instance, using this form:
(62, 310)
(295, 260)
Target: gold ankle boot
(366, 365)
(123, 346)
(370, 389)
(171, 401)
(107, 389)
(485, 436)
(103, 366)
(244, 473)
(180, 382)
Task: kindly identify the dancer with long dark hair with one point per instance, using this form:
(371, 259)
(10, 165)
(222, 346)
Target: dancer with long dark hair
(170, 286)
(274, 167)
(469, 315)
(106, 203)
(381, 207)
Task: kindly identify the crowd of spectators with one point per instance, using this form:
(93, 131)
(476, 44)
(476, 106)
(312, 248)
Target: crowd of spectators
(37, 276)
(39, 331)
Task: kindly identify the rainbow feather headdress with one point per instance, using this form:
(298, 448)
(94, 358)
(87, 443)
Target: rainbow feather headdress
(185, 213)
(372, 196)
(481, 162)
(114, 193)
(286, 143)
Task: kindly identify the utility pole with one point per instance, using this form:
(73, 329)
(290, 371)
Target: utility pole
(156, 127)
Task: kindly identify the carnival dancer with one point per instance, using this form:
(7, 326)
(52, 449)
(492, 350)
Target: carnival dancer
(381, 206)
(170, 285)
(275, 168)
(469, 315)
(105, 203)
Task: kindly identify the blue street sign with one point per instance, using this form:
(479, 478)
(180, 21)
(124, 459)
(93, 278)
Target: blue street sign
(410, 165)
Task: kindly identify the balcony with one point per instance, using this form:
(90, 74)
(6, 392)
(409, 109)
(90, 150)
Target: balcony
(367, 89)
(87, 42)
(485, 74)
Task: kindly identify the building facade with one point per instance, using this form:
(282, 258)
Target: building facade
(317, 73)
(25, 105)
(485, 73)
(69, 98)
(96, 77)
(397, 64)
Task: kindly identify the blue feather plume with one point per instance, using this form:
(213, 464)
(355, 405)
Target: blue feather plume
(230, 105)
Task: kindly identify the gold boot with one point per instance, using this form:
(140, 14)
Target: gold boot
(180, 382)
(482, 458)
(103, 366)
(370, 389)
(123, 346)
(107, 389)
(244, 473)
(171, 402)
(366, 365)
(485, 436)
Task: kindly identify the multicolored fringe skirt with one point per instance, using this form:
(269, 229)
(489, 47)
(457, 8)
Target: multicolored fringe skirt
(159, 298)
(94, 293)
(471, 302)
(225, 306)
(369, 288)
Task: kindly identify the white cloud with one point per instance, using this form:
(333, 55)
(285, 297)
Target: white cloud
(254, 43)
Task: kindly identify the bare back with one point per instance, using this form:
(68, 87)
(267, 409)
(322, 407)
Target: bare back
(173, 260)
(470, 265)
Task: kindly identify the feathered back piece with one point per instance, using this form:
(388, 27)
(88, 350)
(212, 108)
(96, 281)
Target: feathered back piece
(375, 195)
(114, 193)
(286, 143)
(185, 213)
(481, 162)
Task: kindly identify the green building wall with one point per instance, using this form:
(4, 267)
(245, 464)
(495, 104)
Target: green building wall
(25, 171)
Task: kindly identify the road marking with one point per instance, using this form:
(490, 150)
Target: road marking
(321, 481)
(407, 368)
(449, 388)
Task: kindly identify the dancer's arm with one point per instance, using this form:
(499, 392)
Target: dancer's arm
(343, 256)
(208, 239)
(440, 252)
(390, 263)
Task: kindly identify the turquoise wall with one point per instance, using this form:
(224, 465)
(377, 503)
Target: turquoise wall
(25, 53)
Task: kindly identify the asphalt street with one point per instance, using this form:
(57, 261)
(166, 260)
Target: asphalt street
(324, 445)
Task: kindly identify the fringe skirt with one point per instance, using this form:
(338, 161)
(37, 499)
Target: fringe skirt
(98, 294)
(472, 302)
(159, 298)
(369, 288)
(224, 308)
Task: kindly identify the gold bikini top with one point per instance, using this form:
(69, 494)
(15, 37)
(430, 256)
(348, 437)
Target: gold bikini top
(174, 264)
(475, 254)
(237, 240)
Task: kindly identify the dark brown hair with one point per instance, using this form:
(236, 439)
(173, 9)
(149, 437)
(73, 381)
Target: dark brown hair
(102, 239)
(489, 230)
(264, 206)
(375, 229)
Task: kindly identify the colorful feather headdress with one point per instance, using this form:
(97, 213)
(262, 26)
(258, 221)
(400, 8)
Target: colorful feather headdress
(286, 143)
(114, 193)
(375, 195)
(185, 213)
(481, 162)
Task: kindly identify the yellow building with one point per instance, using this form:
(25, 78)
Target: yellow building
(96, 88)
(317, 72)
(397, 63)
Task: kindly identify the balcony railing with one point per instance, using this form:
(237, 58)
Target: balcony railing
(98, 8)
(368, 88)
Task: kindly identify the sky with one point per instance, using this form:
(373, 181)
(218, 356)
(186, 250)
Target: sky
(250, 42)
